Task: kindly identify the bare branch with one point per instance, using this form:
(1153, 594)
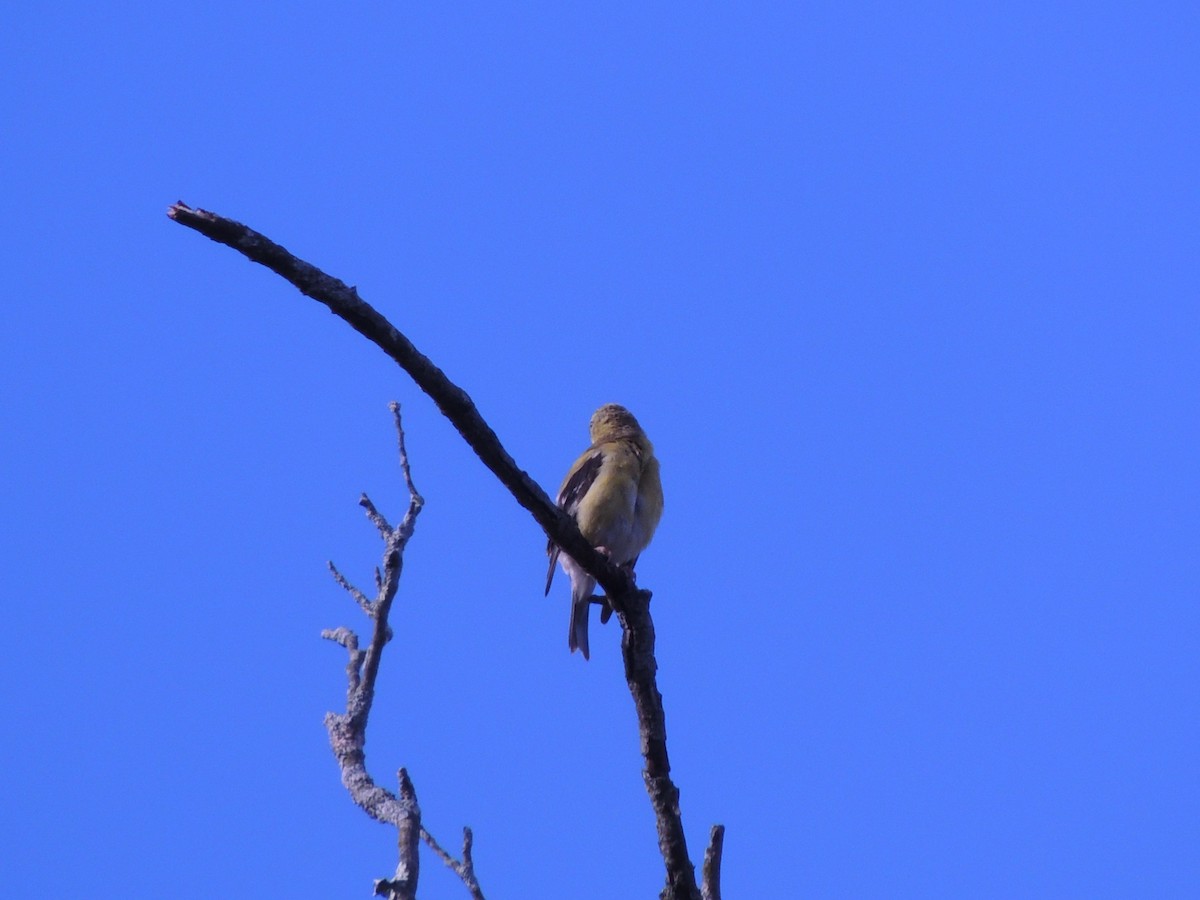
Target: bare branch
(403, 886)
(637, 650)
(410, 835)
(407, 472)
(711, 887)
(342, 635)
(363, 602)
(348, 730)
(344, 302)
(631, 604)
(349, 640)
(464, 869)
(375, 516)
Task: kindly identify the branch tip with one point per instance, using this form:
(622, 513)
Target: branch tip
(710, 888)
(341, 635)
(364, 602)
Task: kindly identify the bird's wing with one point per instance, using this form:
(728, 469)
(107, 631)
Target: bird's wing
(578, 482)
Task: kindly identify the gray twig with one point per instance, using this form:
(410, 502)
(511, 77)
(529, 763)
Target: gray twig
(348, 730)
(464, 868)
(375, 516)
(363, 602)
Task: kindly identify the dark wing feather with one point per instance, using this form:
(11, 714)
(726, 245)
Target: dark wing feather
(569, 495)
(580, 482)
(552, 551)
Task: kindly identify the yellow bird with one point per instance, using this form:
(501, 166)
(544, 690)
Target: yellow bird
(614, 494)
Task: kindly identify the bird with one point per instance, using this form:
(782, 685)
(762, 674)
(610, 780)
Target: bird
(614, 494)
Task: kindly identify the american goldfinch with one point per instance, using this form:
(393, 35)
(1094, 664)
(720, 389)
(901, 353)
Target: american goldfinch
(615, 496)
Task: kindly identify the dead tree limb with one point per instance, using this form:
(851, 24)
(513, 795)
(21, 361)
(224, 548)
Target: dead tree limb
(465, 867)
(710, 888)
(631, 605)
(348, 730)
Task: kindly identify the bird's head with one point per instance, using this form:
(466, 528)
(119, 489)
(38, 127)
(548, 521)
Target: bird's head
(613, 422)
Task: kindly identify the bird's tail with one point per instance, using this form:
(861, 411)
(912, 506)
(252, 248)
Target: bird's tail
(577, 638)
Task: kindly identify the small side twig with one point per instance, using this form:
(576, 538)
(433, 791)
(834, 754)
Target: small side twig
(363, 603)
(464, 868)
(348, 730)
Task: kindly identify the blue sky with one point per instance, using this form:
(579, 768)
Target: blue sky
(906, 298)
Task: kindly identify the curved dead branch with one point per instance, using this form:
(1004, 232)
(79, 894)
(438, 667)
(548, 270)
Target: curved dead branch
(631, 605)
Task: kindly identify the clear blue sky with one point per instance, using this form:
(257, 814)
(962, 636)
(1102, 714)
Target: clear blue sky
(907, 299)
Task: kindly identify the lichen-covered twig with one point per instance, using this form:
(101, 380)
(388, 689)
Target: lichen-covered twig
(348, 730)
(464, 868)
